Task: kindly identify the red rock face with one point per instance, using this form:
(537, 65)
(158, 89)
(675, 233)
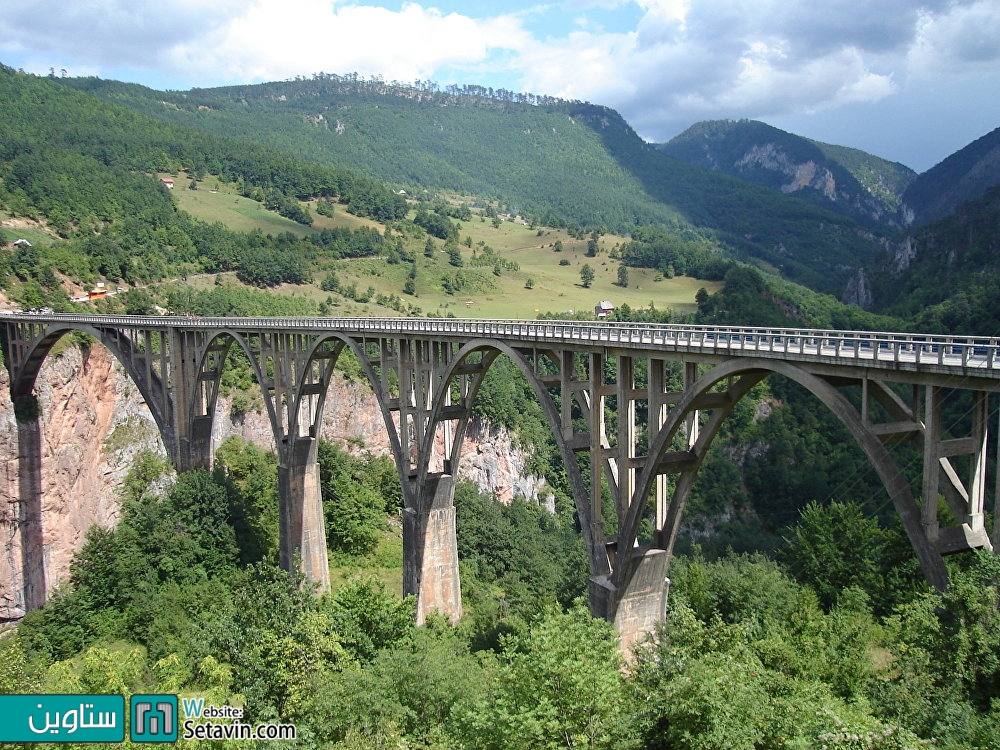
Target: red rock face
(94, 422)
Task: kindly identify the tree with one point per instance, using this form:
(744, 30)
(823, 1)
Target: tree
(558, 685)
(591, 248)
(835, 546)
(623, 276)
(587, 275)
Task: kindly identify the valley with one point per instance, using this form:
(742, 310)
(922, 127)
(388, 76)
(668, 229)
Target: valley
(797, 614)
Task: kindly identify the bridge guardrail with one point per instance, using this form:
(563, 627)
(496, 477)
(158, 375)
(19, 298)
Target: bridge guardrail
(967, 352)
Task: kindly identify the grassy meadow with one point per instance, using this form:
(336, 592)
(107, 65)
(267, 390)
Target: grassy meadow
(554, 288)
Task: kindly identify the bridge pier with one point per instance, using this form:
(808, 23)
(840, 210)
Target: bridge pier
(302, 532)
(430, 550)
(635, 607)
(29, 505)
(426, 374)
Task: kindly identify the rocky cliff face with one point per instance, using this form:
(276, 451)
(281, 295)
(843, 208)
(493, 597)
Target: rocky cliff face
(94, 422)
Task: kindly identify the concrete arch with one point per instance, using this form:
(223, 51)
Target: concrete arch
(597, 557)
(749, 372)
(383, 398)
(153, 391)
(31, 446)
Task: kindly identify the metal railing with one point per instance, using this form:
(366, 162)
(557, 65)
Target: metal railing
(981, 354)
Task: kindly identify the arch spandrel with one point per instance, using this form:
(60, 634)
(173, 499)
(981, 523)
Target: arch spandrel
(595, 545)
(750, 372)
(150, 383)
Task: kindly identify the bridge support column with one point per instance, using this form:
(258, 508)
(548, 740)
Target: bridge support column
(641, 603)
(29, 503)
(196, 446)
(430, 551)
(301, 528)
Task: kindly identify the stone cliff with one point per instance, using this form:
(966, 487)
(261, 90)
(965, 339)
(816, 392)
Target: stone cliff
(94, 422)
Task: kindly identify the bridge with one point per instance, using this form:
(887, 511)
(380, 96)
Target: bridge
(678, 382)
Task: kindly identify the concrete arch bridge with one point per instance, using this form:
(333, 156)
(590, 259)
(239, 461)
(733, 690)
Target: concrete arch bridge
(685, 380)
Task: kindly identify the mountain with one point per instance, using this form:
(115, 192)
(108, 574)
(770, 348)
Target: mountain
(965, 175)
(848, 181)
(945, 275)
(561, 163)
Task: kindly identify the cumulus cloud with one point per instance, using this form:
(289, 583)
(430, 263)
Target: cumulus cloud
(696, 59)
(272, 40)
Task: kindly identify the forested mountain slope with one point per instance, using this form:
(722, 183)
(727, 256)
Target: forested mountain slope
(848, 181)
(946, 276)
(559, 162)
(965, 175)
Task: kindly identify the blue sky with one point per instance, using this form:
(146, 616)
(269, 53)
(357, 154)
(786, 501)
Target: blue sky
(908, 80)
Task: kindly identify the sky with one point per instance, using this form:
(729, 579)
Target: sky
(911, 81)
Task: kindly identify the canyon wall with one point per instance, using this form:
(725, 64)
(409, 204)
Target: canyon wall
(94, 422)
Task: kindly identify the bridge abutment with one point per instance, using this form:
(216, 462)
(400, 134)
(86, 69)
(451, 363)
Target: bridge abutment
(302, 532)
(430, 551)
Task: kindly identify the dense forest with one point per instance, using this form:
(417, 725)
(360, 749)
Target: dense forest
(832, 643)
(797, 617)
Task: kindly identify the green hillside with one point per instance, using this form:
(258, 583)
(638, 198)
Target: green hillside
(560, 163)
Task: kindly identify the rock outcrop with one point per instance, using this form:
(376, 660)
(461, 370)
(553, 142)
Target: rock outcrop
(94, 423)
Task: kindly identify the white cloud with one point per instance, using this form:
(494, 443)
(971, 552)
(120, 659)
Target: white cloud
(278, 40)
(681, 61)
(966, 36)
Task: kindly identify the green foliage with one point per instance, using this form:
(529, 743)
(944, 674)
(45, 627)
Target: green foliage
(587, 275)
(835, 547)
(529, 557)
(558, 685)
(253, 473)
(353, 501)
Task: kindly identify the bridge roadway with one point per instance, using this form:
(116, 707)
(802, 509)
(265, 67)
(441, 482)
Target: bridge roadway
(426, 371)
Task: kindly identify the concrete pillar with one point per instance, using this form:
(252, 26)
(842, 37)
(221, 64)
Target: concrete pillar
(430, 551)
(29, 505)
(302, 532)
(199, 442)
(640, 603)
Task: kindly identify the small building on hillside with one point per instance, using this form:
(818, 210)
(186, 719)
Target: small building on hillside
(168, 182)
(603, 309)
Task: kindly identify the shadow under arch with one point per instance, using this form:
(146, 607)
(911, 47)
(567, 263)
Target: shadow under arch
(30, 522)
(492, 349)
(150, 385)
(743, 375)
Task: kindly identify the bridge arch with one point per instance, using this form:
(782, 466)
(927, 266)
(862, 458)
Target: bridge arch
(740, 376)
(150, 385)
(492, 349)
(320, 351)
(35, 573)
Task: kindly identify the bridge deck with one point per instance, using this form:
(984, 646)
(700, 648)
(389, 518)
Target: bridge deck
(910, 357)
